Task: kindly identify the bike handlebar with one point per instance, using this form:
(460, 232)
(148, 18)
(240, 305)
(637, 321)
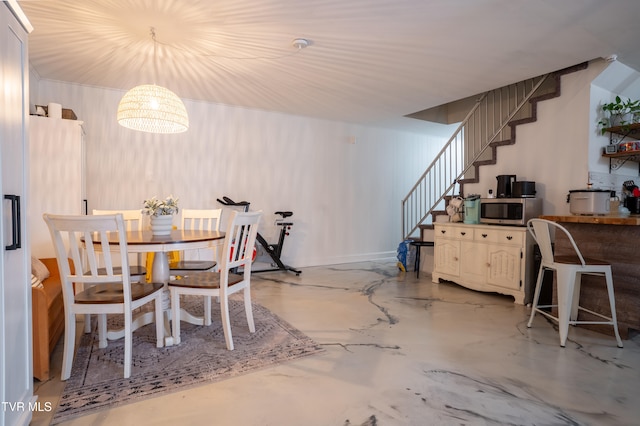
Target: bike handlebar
(229, 202)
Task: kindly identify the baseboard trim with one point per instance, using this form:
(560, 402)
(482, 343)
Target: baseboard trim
(337, 260)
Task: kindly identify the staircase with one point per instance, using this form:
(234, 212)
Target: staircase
(490, 123)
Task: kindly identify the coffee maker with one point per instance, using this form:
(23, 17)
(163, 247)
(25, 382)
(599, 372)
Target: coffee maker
(472, 209)
(504, 185)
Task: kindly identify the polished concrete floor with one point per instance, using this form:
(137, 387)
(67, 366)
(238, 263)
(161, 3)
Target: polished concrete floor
(403, 351)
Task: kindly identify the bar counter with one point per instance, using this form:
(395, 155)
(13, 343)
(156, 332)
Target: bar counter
(633, 220)
(615, 239)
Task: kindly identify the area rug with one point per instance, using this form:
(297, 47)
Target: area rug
(97, 382)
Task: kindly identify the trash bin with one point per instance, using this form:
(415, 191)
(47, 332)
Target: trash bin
(406, 256)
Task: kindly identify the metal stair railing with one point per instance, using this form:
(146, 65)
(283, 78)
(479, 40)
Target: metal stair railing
(485, 123)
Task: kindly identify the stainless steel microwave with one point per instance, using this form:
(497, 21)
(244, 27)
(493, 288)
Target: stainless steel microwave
(509, 211)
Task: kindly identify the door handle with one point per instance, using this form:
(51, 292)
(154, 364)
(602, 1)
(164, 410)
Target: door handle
(15, 222)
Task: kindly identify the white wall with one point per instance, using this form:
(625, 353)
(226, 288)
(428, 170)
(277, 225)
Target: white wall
(558, 150)
(616, 79)
(345, 197)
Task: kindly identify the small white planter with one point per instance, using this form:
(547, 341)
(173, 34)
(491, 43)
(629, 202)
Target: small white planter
(621, 119)
(161, 225)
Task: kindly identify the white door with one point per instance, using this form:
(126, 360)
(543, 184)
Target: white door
(16, 391)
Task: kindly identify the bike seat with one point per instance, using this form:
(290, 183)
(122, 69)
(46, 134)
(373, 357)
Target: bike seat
(285, 214)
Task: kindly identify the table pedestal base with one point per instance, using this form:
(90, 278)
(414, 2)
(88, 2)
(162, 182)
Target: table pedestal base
(160, 268)
(149, 317)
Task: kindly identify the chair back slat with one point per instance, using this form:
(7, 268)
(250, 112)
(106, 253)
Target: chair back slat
(239, 241)
(91, 255)
(106, 252)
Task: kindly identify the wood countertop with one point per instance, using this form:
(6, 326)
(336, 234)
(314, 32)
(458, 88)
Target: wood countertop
(633, 220)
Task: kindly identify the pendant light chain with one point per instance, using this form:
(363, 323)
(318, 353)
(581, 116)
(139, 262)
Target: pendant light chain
(155, 54)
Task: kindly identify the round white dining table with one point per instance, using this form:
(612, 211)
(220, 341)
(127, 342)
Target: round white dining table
(146, 242)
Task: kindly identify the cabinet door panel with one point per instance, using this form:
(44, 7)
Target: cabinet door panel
(446, 257)
(504, 266)
(473, 262)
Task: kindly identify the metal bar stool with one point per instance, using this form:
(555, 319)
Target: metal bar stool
(569, 271)
(418, 245)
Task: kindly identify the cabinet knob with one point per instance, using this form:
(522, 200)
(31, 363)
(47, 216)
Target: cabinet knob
(443, 231)
(484, 235)
(463, 233)
(509, 237)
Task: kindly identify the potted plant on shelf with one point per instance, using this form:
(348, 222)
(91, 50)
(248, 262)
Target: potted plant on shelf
(161, 214)
(619, 113)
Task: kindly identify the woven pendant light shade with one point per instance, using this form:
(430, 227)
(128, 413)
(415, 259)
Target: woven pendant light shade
(153, 109)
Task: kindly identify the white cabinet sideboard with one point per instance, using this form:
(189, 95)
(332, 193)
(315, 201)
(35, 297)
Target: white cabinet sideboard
(488, 258)
(16, 378)
(57, 183)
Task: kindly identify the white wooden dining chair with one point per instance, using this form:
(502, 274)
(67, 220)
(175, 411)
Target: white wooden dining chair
(200, 260)
(237, 252)
(104, 293)
(569, 270)
(137, 272)
(133, 222)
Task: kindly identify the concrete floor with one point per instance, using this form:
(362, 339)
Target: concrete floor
(402, 351)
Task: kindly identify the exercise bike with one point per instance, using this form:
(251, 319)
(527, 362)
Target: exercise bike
(273, 250)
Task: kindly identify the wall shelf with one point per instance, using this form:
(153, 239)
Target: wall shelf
(624, 131)
(617, 135)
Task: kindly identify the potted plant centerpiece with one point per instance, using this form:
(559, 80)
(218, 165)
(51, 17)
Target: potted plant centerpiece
(161, 214)
(619, 113)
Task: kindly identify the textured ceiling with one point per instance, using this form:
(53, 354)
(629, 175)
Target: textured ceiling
(368, 61)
